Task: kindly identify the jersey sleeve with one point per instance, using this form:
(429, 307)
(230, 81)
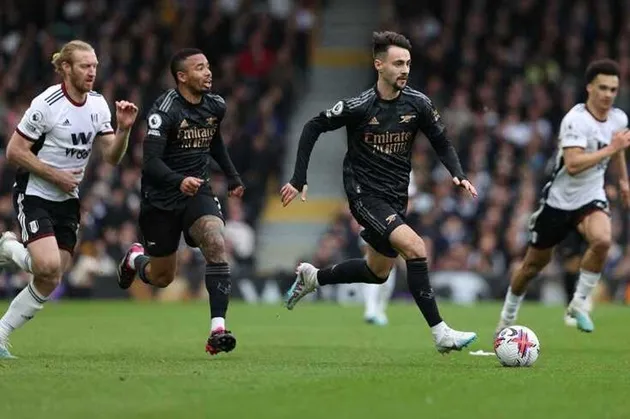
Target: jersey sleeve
(104, 126)
(431, 123)
(572, 133)
(433, 127)
(623, 119)
(159, 124)
(339, 115)
(36, 121)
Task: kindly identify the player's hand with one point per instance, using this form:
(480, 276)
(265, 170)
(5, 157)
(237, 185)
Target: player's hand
(236, 187)
(465, 184)
(620, 140)
(191, 185)
(624, 190)
(126, 113)
(289, 192)
(237, 192)
(68, 180)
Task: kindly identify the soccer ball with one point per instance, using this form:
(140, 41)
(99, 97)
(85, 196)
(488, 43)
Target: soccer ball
(517, 346)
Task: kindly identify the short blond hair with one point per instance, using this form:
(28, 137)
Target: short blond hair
(65, 53)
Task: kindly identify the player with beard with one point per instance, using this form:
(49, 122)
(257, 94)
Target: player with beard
(183, 132)
(382, 124)
(51, 147)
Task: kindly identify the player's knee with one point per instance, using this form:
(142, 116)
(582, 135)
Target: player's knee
(213, 248)
(381, 273)
(600, 244)
(413, 248)
(47, 269)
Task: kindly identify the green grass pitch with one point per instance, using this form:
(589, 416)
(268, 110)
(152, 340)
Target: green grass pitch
(120, 360)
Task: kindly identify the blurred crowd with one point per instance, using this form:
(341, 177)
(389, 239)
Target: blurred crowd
(502, 74)
(259, 54)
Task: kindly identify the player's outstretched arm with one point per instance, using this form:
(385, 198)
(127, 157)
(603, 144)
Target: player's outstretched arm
(435, 130)
(329, 120)
(115, 145)
(219, 153)
(19, 153)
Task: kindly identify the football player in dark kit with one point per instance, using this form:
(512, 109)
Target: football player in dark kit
(183, 132)
(381, 125)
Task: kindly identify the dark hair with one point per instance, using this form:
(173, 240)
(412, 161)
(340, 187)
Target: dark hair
(179, 57)
(606, 66)
(381, 41)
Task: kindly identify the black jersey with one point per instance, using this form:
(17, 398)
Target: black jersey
(380, 135)
(181, 138)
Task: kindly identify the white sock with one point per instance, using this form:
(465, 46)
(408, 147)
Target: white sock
(19, 255)
(132, 259)
(370, 293)
(586, 283)
(438, 330)
(22, 309)
(511, 305)
(217, 323)
(385, 292)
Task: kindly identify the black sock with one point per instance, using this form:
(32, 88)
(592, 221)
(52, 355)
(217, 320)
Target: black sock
(219, 286)
(570, 281)
(348, 272)
(420, 288)
(140, 264)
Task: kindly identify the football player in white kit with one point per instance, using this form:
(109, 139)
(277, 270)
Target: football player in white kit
(591, 134)
(51, 147)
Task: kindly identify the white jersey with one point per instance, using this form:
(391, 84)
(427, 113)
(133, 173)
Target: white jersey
(579, 128)
(63, 133)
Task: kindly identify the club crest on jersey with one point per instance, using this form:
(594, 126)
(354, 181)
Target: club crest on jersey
(33, 226)
(405, 119)
(211, 120)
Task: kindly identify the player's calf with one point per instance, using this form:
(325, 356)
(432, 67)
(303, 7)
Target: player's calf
(46, 262)
(207, 232)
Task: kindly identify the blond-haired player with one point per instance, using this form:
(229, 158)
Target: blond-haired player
(51, 147)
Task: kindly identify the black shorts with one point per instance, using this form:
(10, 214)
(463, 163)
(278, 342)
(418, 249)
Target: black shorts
(161, 229)
(573, 245)
(39, 218)
(549, 226)
(378, 218)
